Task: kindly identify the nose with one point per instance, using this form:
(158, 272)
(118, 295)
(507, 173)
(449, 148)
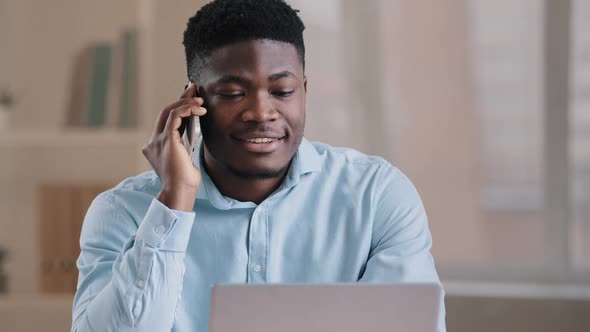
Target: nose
(260, 109)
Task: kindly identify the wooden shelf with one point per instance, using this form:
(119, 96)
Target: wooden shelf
(71, 137)
(35, 313)
(34, 300)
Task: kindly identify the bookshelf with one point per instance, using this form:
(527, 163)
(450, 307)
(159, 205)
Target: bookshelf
(38, 149)
(71, 138)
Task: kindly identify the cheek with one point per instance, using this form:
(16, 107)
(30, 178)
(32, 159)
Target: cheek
(295, 116)
(211, 124)
(217, 116)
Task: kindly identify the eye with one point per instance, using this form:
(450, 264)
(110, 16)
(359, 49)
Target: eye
(282, 94)
(231, 95)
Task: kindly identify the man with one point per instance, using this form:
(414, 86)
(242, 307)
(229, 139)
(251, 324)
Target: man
(258, 204)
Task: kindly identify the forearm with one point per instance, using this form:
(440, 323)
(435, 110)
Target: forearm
(138, 289)
(142, 295)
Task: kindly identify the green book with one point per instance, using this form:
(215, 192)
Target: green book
(80, 88)
(128, 105)
(97, 103)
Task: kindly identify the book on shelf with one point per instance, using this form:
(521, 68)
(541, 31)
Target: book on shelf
(114, 88)
(104, 90)
(62, 208)
(79, 91)
(129, 82)
(97, 101)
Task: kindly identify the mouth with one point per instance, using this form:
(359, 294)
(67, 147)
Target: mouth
(260, 144)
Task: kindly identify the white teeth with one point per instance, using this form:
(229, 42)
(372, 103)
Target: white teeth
(261, 140)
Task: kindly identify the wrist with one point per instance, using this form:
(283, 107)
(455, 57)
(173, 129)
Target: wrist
(178, 198)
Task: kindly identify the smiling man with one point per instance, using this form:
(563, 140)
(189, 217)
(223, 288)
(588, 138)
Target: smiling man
(255, 97)
(258, 204)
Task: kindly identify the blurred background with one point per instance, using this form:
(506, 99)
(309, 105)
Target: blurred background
(484, 104)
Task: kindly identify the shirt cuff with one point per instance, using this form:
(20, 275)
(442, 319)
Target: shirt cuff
(165, 228)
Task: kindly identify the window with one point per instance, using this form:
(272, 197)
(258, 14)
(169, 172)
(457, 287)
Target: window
(506, 40)
(455, 94)
(580, 136)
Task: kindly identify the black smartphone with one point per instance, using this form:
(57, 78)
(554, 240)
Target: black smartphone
(192, 133)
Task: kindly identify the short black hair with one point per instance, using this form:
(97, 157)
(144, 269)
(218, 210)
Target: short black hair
(223, 22)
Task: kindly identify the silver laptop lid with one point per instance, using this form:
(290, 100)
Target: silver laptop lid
(324, 307)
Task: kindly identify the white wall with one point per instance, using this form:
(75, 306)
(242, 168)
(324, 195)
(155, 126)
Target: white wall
(39, 42)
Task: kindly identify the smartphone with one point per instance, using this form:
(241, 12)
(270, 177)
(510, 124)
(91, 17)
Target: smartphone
(192, 133)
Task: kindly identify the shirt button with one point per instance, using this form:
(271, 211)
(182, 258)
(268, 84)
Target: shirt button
(257, 268)
(140, 283)
(160, 229)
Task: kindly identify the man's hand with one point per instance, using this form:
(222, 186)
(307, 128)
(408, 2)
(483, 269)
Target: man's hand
(168, 156)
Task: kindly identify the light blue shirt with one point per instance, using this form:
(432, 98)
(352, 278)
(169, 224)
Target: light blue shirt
(339, 216)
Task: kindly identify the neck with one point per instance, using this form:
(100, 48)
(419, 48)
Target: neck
(238, 187)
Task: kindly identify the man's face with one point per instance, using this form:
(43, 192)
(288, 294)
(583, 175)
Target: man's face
(255, 98)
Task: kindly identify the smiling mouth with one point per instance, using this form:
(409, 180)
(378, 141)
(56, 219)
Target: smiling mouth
(259, 145)
(262, 140)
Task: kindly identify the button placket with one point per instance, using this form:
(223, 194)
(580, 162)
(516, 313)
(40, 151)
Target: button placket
(257, 245)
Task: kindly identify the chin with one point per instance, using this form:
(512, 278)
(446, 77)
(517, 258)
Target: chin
(258, 173)
(259, 167)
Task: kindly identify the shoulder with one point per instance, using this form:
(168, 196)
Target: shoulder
(130, 198)
(346, 155)
(385, 183)
(355, 162)
(143, 184)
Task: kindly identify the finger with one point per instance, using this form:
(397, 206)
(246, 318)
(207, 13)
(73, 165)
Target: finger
(183, 125)
(175, 117)
(164, 114)
(189, 91)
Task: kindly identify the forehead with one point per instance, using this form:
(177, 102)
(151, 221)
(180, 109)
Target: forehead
(252, 58)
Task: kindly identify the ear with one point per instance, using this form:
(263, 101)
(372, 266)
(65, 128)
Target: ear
(305, 84)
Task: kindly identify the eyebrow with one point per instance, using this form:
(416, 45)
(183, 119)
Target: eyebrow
(232, 79)
(244, 81)
(280, 75)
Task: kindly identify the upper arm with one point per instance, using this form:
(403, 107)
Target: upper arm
(401, 240)
(400, 249)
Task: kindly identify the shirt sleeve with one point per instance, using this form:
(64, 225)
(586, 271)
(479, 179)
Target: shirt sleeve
(130, 277)
(400, 251)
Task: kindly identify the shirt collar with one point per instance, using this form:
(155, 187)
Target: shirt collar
(306, 160)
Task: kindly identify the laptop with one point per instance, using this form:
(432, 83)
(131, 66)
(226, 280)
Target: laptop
(345, 307)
